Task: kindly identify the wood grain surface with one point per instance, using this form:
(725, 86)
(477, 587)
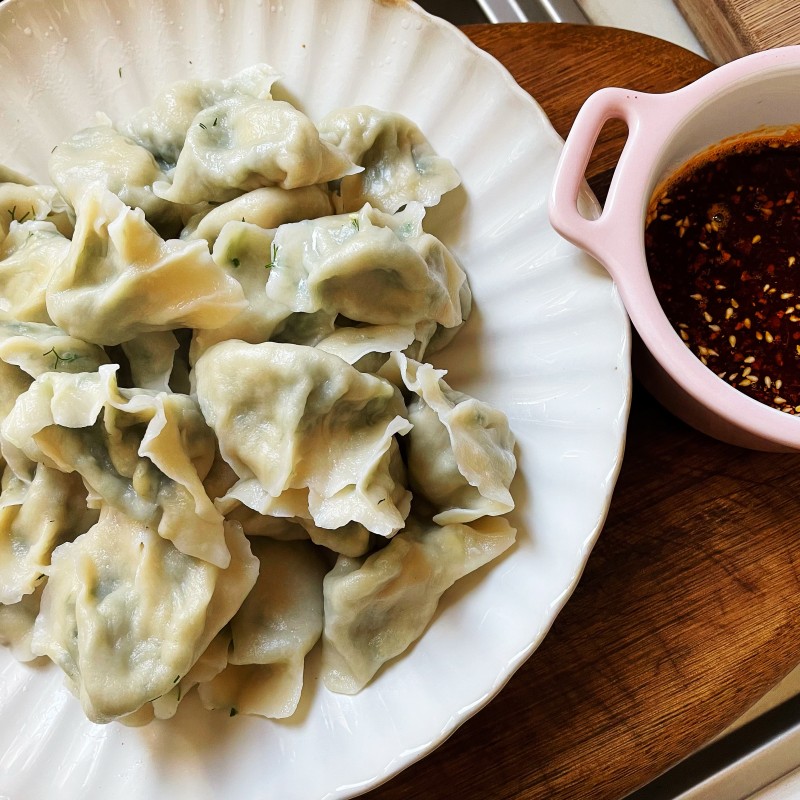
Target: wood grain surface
(687, 610)
(729, 29)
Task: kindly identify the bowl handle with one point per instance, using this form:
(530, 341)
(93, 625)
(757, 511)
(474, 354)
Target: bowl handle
(603, 236)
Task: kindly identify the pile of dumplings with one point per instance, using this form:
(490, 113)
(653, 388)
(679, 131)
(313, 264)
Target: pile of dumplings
(221, 440)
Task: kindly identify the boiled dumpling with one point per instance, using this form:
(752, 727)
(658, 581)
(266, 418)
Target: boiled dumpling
(460, 451)
(27, 202)
(29, 255)
(121, 278)
(296, 420)
(143, 453)
(37, 348)
(400, 165)
(162, 127)
(369, 267)
(43, 514)
(267, 207)
(278, 623)
(377, 606)
(126, 615)
(243, 143)
(102, 156)
(16, 624)
(151, 357)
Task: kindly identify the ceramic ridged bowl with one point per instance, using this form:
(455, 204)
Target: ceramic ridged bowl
(548, 343)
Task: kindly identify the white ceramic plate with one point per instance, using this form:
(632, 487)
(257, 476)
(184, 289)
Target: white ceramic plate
(548, 342)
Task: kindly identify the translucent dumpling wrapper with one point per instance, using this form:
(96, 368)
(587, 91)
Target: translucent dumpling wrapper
(29, 255)
(213, 660)
(375, 607)
(126, 615)
(121, 278)
(289, 417)
(151, 357)
(37, 348)
(277, 625)
(143, 453)
(162, 126)
(243, 143)
(267, 207)
(102, 156)
(47, 512)
(460, 452)
(290, 521)
(244, 251)
(27, 202)
(16, 624)
(369, 267)
(400, 165)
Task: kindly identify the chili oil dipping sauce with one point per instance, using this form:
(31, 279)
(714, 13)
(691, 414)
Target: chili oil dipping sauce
(722, 243)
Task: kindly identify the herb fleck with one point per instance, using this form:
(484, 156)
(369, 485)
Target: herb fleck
(274, 257)
(235, 262)
(233, 713)
(203, 127)
(120, 71)
(67, 358)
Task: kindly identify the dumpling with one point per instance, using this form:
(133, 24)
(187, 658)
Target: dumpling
(277, 625)
(25, 203)
(369, 267)
(143, 453)
(37, 348)
(162, 127)
(267, 207)
(460, 452)
(296, 420)
(357, 345)
(29, 255)
(243, 143)
(16, 624)
(151, 357)
(244, 251)
(121, 278)
(126, 615)
(102, 156)
(377, 606)
(400, 166)
(45, 513)
(213, 660)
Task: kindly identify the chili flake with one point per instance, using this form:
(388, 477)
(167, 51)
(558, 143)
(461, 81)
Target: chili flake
(724, 275)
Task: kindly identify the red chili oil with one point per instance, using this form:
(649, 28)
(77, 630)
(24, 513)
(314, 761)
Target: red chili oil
(723, 248)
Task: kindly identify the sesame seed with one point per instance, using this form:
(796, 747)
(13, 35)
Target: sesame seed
(779, 401)
(696, 296)
(703, 360)
(734, 303)
(768, 382)
(714, 328)
(778, 383)
(757, 238)
(792, 261)
(707, 317)
(749, 359)
(768, 337)
(732, 340)
(787, 295)
(684, 336)
(746, 371)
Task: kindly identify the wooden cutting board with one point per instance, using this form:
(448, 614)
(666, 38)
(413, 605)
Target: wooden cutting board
(687, 611)
(730, 29)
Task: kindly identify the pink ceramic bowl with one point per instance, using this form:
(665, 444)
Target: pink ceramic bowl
(664, 131)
